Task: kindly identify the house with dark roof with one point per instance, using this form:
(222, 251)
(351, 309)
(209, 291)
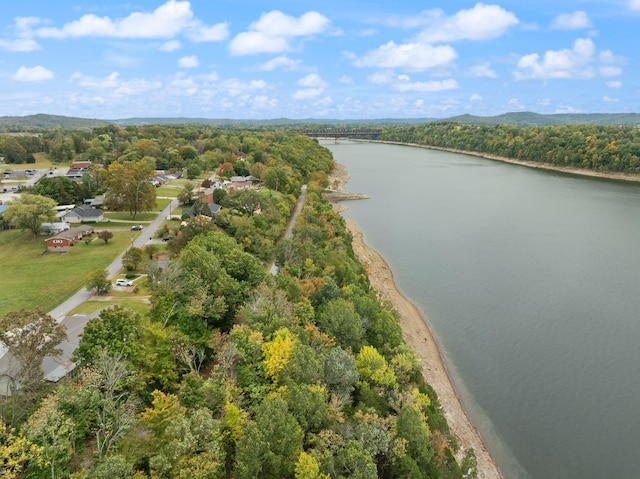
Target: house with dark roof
(65, 239)
(214, 208)
(83, 214)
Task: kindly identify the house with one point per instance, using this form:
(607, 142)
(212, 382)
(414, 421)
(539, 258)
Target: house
(239, 182)
(214, 209)
(97, 201)
(81, 164)
(64, 239)
(53, 228)
(77, 169)
(83, 214)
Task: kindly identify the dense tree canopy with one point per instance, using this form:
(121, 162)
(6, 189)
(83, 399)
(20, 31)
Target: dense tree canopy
(594, 147)
(235, 372)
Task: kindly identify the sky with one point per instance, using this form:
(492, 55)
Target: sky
(347, 59)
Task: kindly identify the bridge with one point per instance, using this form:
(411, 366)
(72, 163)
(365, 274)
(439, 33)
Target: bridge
(336, 133)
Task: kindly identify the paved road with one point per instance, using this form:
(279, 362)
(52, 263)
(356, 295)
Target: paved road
(55, 367)
(145, 236)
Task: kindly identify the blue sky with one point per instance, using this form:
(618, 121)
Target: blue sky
(348, 59)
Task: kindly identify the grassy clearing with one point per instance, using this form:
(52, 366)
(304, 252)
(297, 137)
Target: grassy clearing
(30, 279)
(121, 216)
(168, 191)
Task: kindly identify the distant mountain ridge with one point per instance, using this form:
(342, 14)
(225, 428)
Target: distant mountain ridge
(11, 123)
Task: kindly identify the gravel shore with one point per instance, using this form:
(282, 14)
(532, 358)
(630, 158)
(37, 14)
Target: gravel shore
(418, 335)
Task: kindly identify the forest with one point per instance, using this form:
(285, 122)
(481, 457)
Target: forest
(592, 147)
(232, 372)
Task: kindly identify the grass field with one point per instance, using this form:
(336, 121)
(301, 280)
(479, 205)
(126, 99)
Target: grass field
(167, 191)
(123, 216)
(30, 279)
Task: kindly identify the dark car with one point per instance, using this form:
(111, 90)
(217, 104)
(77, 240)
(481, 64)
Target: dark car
(167, 238)
(136, 228)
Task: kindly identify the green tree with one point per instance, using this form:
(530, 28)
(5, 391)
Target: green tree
(339, 319)
(61, 152)
(132, 258)
(193, 171)
(99, 282)
(247, 201)
(129, 187)
(49, 428)
(116, 330)
(12, 150)
(271, 445)
(186, 195)
(29, 336)
(30, 211)
(220, 196)
(59, 188)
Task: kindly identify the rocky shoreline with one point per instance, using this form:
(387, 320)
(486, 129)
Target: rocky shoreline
(417, 334)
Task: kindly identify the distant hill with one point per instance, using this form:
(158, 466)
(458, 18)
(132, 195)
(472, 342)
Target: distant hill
(527, 118)
(48, 121)
(14, 123)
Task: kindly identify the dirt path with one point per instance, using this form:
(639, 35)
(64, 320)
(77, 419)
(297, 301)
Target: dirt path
(418, 335)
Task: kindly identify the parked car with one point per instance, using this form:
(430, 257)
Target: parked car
(136, 228)
(167, 238)
(124, 282)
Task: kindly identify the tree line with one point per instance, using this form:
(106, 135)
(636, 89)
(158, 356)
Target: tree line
(593, 147)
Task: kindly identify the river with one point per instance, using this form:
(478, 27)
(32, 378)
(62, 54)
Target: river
(530, 281)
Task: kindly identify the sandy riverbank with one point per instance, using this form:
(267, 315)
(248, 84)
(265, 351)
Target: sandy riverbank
(418, 335)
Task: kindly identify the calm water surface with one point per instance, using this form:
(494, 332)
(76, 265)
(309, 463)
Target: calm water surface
(530, 281)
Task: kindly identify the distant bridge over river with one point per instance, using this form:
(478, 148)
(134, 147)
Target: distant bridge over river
(337, 133)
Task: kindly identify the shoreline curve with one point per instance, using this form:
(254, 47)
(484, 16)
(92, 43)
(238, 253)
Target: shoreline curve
(609, 175)
(418, 335)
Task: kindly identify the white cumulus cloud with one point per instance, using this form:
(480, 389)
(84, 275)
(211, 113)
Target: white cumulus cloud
(574, 63)
(170, 46)
(110, 81)
(572, 21)
(312, 80)
(409, 56)
(190, 61)
(281, 61)
(313, 85)
(274, 31)
(482, 22)
(634, 4)
(202, 33)
(307, 93)
(167, 21)
(483, 70)
(404, 85)
(34, 74)
(614, 84)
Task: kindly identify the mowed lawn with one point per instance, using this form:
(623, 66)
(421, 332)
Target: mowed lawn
(30, 279)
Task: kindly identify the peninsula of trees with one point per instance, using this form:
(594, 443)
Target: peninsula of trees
(232, 371)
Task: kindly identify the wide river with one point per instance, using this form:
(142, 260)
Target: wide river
(530, 280)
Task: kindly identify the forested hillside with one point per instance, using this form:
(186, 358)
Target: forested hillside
(597, 148)
(234, 372)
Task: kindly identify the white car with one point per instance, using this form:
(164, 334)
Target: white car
(124, 282)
